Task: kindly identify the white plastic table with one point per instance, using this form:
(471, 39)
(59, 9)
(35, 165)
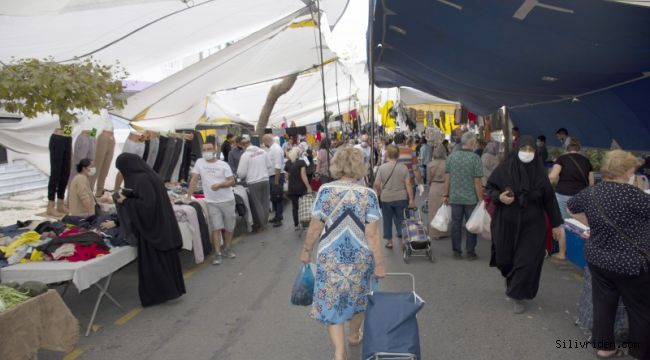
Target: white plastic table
(83, 274)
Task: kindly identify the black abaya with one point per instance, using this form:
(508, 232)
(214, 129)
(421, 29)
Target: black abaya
(519, 229)
(154, 224)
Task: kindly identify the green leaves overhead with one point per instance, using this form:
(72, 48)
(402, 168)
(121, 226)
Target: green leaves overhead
(30, 86)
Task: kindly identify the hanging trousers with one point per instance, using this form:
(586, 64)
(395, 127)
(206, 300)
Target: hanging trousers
(177, 167)
(170, 165)
(153, 152)
(60, 158)
(147, 145)
(186, 162)
(103, 160)
(607, 286)
(166, 165)
(84, 148)
(162, 148)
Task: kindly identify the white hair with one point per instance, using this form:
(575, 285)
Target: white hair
(293, 153)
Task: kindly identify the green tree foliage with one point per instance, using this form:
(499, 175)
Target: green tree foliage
(31, 86)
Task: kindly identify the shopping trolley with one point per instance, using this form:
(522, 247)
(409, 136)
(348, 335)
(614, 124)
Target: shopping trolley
(390, 330)
(415, 239)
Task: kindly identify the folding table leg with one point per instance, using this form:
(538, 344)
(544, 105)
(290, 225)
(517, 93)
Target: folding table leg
(103, 291)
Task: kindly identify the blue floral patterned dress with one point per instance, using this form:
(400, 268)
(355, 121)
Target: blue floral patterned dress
(344, 262)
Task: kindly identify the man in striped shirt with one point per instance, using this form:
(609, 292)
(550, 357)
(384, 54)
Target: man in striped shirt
(408, 157)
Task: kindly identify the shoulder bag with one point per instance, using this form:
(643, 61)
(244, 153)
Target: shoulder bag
(579, 168)
(383, 186)
(644, 253)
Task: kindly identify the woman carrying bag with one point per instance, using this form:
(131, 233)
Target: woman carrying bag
(436, 181)
(349, 255)
(395, 189)
(298, 184)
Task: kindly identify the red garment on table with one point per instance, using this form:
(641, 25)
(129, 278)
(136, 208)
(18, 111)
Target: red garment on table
(84, 253)
(199, 196)
(69, 232)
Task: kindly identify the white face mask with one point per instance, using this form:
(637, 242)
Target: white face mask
(92, 171)
(208, 156)
(526, 157)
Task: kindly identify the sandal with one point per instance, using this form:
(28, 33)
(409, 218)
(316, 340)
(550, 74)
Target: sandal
(389, 245)
(356, 342)
(616, 354)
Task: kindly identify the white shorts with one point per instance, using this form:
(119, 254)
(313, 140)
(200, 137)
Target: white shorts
(222, 215)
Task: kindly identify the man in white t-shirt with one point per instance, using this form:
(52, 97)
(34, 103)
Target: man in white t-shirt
(276, 177)
(217, 180)
(254, 167)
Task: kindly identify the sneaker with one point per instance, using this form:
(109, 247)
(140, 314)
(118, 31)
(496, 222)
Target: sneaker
(472, 257)
(296, 228)
(520, 307)
(277, 224)
(228, 254)
(217, 260)
(458, 256)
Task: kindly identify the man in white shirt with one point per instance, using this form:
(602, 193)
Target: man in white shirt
(276, 177)
(254, 167)
(217, 180)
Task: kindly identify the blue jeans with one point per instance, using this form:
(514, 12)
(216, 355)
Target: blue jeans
(393, 212)
(277, 205)
(458, 212)
(561, 202)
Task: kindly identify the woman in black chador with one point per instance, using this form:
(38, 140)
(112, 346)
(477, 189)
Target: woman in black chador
(523, 195)
(154, 224)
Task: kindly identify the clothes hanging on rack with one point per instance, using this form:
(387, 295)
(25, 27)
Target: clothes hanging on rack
(203, 228)
(186, 162)
(177, 165)
(160, 156)
(60, 157)
(170, 165)
(103, 159)
(84, 148)
(146, 150)
(133, 146)
(165, 165)
(153, 151)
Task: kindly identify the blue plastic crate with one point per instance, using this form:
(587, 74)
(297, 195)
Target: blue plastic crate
(575, 249)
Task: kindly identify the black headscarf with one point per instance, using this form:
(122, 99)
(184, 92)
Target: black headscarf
(522, 178)
(150, 211)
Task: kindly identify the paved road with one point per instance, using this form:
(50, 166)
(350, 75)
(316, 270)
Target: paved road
(240, 310)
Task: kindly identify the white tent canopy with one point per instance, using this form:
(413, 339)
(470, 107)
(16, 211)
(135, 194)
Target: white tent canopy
(302, 104)
(286, 47)
(140, 34)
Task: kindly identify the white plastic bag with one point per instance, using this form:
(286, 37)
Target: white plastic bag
(442, 219)
(486, 232)
(476, 222)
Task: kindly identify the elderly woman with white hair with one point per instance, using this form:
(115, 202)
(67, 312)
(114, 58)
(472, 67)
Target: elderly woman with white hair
(298, 184)
(349, 252)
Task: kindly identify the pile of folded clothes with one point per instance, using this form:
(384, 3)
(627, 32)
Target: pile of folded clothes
(71, 239)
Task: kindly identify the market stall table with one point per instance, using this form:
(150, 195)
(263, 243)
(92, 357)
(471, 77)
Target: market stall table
(83, 274)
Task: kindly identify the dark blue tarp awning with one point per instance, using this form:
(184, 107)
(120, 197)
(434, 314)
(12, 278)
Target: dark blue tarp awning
(579, 64)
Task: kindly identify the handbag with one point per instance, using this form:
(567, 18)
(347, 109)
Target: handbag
(644, 253)
(305, 204)
(240, 207)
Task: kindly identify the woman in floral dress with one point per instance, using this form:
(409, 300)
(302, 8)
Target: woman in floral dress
(349, 253)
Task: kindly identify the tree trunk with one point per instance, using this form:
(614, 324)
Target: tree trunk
(276, 91)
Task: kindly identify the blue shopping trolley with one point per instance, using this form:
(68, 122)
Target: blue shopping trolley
(390, 330)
